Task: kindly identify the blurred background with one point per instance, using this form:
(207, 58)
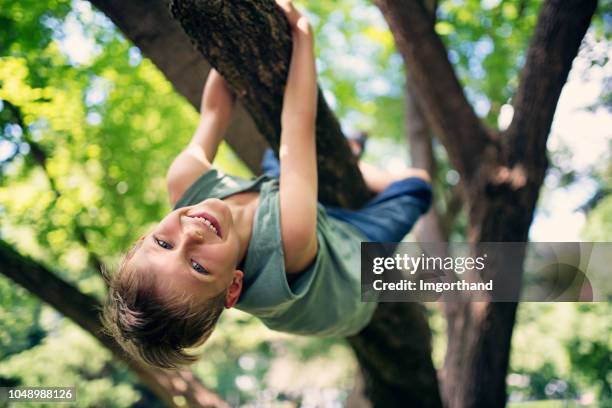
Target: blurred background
(89, 127)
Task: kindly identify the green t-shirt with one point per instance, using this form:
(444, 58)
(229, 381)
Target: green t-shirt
(325, 300)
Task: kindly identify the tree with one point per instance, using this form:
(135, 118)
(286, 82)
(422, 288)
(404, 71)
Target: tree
(500, 207)
(502, 172)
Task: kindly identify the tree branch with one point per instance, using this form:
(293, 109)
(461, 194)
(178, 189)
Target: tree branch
(561, 26)
(440, 95)
(429, 228)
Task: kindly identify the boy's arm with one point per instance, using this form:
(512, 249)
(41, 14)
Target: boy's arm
(297, 153)
(195, 159)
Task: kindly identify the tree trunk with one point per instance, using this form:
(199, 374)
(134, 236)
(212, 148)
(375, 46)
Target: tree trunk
(83, 310)
(501, 174)
(394, 353)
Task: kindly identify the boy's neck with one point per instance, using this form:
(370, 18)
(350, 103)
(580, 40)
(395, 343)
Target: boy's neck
(243, 207)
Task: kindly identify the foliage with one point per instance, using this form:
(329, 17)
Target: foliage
(20, 323)
(258, 367)
(599, 219)
(68, 357)
(88, 129)
(563, 350)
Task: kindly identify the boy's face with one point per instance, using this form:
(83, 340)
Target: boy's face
(185, 253)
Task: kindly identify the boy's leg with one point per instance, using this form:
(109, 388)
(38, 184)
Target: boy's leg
(391, 214)
(378, 180)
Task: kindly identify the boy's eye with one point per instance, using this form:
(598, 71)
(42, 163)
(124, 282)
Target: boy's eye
(198, 268)
(163, 244)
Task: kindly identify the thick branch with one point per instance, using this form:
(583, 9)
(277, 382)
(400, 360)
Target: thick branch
(83, 310)
(561, 26)
(248, 42)
(394, 352)
(148, 24)
(440, 95)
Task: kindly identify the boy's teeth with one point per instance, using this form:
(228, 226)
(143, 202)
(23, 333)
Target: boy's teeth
(208, 223)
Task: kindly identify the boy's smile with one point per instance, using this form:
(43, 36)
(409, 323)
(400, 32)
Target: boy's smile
(212, 212)
(209, 221)
(193, 250)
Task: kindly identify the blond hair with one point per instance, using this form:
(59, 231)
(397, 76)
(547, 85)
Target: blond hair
(154, 329)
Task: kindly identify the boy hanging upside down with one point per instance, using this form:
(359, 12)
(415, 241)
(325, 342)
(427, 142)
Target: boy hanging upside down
(264, 246)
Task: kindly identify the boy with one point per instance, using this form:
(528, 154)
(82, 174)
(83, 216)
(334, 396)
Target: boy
(265, 246)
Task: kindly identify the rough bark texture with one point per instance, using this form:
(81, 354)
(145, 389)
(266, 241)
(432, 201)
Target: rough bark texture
(249, 43)
(149, 25)
(501, 174)
(83, 310)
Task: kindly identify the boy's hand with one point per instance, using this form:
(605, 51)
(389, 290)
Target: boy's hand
(297, 22)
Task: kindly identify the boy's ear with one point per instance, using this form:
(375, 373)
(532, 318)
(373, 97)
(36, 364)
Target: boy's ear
(234, 289)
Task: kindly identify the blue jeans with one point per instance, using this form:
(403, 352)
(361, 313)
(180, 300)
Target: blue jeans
(388, 216)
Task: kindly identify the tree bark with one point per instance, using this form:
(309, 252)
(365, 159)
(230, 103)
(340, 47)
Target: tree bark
(83, 310)
(394, 353)
(502, 174)
(503, 209)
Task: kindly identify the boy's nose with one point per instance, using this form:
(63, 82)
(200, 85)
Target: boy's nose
(193, 234)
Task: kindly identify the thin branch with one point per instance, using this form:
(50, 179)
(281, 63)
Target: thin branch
(454, 204)
(438, 89)
(40, 158)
